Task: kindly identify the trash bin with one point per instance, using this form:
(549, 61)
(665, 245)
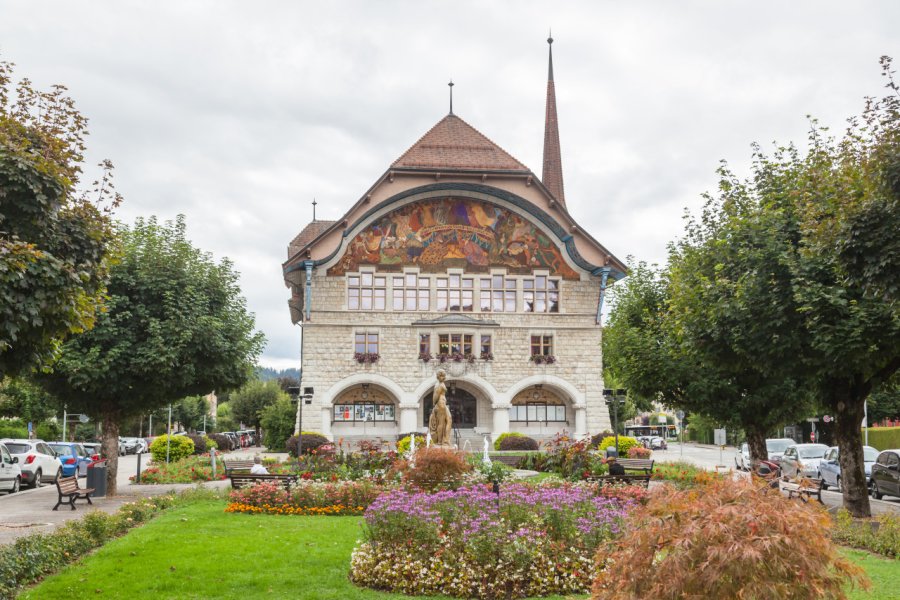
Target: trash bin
(96, 478)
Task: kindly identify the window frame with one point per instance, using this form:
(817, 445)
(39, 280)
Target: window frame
(373, 287)
(338, 407)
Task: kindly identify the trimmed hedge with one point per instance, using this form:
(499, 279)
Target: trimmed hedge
(311, 441)
(625, 444)
(201, 443)
(223, 442)
(883, 438)
(515, 441)
(180, 446)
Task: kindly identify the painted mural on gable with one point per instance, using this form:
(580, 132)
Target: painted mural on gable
(440, 234)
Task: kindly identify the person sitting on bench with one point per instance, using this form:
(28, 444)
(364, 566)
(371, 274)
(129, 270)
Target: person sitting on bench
(615, 469)
(258, 468)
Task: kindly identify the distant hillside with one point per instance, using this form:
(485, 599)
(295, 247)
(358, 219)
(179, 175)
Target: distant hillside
(265, 373)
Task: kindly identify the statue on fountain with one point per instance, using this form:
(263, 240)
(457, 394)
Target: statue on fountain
(440, 424)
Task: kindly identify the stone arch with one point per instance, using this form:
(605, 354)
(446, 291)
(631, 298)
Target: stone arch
(389, 385)
(558, 384)
(474, 382)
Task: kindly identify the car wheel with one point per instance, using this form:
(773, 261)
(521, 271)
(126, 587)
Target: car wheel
(37, 479)
(874, 490)
(16, 485)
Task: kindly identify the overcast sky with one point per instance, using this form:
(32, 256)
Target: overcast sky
(237, 114)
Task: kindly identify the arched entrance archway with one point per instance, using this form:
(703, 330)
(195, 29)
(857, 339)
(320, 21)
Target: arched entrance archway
(462, 404)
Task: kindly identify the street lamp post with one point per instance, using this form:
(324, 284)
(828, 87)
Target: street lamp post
(615, 398)
(294, 392)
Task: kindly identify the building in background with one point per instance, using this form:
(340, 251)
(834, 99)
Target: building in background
(457, 258)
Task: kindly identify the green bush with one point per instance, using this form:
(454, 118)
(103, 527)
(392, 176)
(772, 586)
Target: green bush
(403, 443)
(48, 431)
(881, 534)
(13, 428)
(883, 438)
(222, 442)
(277, 421)
(181, 446)
(200, 443)
(626, 443)
(311, 442)
(515, 441)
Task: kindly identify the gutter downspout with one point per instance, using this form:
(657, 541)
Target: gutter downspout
(307, 301)
(308, 265)
(604, 275)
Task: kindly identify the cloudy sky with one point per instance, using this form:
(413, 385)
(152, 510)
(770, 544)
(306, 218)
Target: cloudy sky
(238, 114)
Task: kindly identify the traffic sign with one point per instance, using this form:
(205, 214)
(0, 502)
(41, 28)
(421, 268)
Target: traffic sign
(827, 418)
(680, 415)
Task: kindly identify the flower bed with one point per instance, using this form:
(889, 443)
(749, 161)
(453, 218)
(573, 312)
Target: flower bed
(305, 498)
(187, 470)
(683, 475)
(532, 541)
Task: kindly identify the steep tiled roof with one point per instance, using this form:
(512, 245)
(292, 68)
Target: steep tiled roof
(454, 144)
(309, 233)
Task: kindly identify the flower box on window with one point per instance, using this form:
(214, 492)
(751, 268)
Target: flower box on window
(487, 356)
(425, 356)
(366, 358)
(543, 359)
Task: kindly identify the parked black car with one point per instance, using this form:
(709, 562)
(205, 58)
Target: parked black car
(886, 475)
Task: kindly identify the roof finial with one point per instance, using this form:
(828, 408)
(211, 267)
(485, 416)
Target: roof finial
(314, 208)
(451, 95)
(550, 43)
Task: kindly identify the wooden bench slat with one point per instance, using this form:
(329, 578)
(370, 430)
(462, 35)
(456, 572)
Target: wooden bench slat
(245, 480)
(67, 487)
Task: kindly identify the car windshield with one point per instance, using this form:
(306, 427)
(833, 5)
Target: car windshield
(60, 449)
(17, 448)
(870, 454)
(812, 451)
(778, 445)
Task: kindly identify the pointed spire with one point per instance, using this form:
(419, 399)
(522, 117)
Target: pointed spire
(552, 177)
(451, 96)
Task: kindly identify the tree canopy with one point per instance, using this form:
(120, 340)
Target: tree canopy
(55, 243)
(249, 402)
(176, 326)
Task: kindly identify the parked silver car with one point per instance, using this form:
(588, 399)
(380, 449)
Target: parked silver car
(10, 473)
(37, 461)
(830, 467)
(803, 459)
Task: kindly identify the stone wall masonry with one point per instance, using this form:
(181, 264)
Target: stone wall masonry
(329, 351)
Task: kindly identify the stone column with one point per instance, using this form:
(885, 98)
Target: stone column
(409, 417)
(501, 420)
(326, 422)
(580, 420)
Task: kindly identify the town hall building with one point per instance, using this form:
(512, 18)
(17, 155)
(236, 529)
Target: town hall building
(457, 258)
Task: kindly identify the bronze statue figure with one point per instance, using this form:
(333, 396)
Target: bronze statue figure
(441, 422)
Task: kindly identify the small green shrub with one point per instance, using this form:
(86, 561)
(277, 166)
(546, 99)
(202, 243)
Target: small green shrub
(625, 444)
(13, 428)
(222, 442)
(515, 441)
(311, 442)
(48, 431)
(598, 437)
(404, 442)
(180, 446)
(880, 534)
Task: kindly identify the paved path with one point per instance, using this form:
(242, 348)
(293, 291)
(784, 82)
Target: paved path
(30, 511)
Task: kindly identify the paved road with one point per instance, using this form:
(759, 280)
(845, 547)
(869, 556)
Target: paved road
(707, 457)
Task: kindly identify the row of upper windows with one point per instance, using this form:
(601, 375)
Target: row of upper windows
(452, 343)
(455, 293)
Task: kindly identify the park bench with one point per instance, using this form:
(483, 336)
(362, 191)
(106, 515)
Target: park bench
(805, 488)
(642, 480)
(237, 465)
(637, 464)
(242, 480)
(68, 488)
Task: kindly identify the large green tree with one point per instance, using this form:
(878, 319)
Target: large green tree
(176, 325)
(249, 402)
(54, 240)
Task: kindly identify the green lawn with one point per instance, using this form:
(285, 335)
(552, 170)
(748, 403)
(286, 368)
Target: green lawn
(198, 551)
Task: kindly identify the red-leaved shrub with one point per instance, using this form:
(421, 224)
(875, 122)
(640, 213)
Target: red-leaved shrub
(728, 539)
(638, 452)
(436, 469)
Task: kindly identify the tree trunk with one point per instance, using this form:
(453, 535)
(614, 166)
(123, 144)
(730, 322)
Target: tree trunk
(756, 440)
(110, 449)
(848, 419)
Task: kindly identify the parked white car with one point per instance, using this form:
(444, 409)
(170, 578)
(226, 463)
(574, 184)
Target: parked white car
(37, 461)
(10, 473)
(742, 458)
